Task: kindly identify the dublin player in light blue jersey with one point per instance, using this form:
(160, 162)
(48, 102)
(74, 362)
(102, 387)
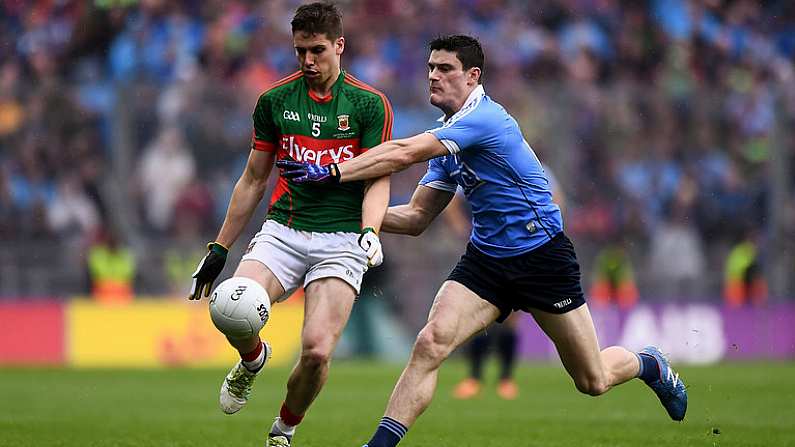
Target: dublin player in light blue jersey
(518, 257)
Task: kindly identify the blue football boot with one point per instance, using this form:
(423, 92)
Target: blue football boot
(669, 388)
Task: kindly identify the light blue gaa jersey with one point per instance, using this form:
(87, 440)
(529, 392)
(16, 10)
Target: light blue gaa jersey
(505, 184)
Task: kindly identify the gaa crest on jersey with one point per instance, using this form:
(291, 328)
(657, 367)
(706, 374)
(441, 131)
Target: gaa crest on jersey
(342, 122)
(290, 115)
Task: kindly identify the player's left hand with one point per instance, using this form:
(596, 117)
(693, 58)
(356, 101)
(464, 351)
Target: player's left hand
(370, 243)
(208, 270)
(304, 172)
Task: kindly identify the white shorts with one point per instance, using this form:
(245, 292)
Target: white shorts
(300, 257)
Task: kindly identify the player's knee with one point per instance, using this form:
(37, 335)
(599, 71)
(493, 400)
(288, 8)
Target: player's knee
(593, 386)
(315, 358)
(432, 344)
(315, 353)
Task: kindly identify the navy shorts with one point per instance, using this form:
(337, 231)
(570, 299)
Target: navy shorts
(546, 278)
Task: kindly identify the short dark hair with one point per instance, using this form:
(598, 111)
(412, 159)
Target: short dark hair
(318, 18)
(466, 48)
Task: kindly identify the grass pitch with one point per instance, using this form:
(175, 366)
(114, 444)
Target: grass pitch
(730, 405)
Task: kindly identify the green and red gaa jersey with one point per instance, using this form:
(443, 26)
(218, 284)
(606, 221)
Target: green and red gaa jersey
(292, 121)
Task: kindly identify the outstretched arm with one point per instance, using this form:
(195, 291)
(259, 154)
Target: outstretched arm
(384, 159)
(414, 217)
(390, 157)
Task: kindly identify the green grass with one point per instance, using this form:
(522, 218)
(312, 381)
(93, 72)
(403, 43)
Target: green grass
(749, 404)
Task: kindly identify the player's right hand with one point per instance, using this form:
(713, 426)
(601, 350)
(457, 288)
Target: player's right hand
(304, 172)
(208, 270)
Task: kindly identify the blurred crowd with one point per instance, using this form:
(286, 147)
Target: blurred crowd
(130, 120)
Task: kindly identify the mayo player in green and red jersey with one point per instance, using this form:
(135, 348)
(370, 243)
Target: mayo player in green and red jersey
(321, 238)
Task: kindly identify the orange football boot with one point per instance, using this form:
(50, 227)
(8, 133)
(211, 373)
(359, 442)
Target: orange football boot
(508, 389)
(467, 389)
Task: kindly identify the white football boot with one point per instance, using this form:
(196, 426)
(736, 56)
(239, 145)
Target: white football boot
(277, 437)
(236, 387)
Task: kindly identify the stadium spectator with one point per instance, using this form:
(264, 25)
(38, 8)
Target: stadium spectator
(613, 277)
(166, 168)
(112, 269)
(676, 254)
(744, 280)
(179, 257)
(504, 336)
(72, 212)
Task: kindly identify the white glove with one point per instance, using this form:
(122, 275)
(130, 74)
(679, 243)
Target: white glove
(371, 245)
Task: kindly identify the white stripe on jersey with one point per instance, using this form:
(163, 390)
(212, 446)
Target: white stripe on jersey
(451, 146)
(442, 186)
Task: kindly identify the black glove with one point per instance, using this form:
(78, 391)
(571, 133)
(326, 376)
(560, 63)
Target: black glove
(208, 270)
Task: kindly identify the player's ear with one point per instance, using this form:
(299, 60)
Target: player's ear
(474, 74)
(339, 45)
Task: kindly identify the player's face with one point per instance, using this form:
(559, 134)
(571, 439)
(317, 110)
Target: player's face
(318, 57)
(450, 84)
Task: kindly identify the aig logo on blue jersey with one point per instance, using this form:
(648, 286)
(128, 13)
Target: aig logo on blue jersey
(466, 177)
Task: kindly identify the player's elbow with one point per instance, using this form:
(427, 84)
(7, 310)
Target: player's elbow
(415, 230)
(253, 182)
(419, 224)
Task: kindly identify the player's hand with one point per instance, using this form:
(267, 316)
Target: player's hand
(208, 270)
(371, 245)
(304, 172)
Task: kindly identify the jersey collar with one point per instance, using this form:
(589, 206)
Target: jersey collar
(334, 88)
(476, 94)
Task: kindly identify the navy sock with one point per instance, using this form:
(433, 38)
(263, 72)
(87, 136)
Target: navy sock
(506, 346)
(649, 369)
(478, 348)
(388, 434)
